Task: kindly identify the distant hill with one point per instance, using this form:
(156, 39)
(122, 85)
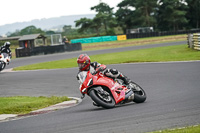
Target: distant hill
(44, 24)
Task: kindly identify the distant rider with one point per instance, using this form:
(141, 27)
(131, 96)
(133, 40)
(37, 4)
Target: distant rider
(6, 48)
(85, 64)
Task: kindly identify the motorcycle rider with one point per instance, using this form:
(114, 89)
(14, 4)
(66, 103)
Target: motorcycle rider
(6, 48)
(85, 64)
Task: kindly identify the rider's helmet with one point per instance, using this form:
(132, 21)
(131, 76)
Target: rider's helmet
(83, 62)
(7, 44)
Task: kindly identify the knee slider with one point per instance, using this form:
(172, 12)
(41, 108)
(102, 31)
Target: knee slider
(115, 73)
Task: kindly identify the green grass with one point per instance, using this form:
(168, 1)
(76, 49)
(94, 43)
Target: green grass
(133, 42)
(181, 37)
(159, 54)
(191, 129)
(24, 104)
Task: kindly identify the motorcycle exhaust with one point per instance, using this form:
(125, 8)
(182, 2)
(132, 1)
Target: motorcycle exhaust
(129, 96)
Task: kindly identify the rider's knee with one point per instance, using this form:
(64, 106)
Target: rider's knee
(114, 73)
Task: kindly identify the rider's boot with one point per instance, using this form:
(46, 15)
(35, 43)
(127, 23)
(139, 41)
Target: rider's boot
(124, 78)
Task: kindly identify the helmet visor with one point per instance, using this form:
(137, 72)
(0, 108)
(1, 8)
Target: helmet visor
(81, 65)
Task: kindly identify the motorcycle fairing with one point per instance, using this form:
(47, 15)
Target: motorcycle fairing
(117, 90)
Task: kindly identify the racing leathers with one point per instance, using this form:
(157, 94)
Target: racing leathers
(111, 73)
(4, 49)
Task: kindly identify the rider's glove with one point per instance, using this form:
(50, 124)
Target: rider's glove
(95, 72)
(83, 95)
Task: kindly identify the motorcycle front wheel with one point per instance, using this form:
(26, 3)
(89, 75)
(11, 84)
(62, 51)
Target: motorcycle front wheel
(102, 98)
(2, 66)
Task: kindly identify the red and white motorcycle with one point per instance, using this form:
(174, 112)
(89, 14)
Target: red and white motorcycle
(107, 92)
(4, 60)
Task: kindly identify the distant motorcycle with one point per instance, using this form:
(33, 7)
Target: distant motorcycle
(107, 92)
(4, 60)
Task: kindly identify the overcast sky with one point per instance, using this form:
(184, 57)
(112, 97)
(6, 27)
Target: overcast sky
(25, 10)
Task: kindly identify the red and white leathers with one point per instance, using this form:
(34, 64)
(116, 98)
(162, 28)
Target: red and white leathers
(111, 73)
(85, 64)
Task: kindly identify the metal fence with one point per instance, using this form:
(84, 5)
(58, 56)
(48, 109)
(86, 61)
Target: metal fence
(163, 33)
(41, 50)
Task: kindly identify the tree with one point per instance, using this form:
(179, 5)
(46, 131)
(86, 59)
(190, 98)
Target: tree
(104, 18)
(86, 24)
(103, 8)
(28, 30)
(96, 24)
(146, 10)
(126, 14)
(171, 15)
(193, 14)
(105, 15)
(16, 33)
(136, 13)
(49, 32)
(67, 28)
(125, 18)
(31, 30)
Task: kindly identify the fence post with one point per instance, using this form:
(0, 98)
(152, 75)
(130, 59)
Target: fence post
(190, 41)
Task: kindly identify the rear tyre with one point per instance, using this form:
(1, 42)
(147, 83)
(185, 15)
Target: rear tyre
(139, 93)
(102, 98)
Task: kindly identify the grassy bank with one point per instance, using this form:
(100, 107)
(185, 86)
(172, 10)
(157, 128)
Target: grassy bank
(24, 104)
(133, 42)
(159, 54)
(191, 129)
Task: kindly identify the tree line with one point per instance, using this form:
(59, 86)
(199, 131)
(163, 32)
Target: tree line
(162, 15)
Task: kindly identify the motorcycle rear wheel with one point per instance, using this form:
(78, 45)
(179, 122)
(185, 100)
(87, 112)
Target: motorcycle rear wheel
(139, 93)
(102, 100)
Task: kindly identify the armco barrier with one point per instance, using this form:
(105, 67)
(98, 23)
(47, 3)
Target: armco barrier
(94, 39)
(121, 37)
(194, 41)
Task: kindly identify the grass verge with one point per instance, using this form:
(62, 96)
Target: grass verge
(191, 129)
(25, 104)
(133, 42)
(159, 54)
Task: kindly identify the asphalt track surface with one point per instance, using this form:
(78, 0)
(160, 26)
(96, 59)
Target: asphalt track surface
(173, 95)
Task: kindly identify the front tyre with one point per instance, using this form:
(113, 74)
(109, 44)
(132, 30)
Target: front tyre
(2, 65)
(102, 98)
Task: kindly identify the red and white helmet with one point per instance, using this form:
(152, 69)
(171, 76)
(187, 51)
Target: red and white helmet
(83, 62)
